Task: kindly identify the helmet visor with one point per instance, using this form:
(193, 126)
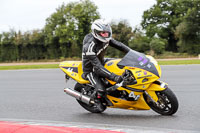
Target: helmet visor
(104, 34)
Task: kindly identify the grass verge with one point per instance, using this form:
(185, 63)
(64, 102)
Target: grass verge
(41, 66)
(48, 66)
(179, 62)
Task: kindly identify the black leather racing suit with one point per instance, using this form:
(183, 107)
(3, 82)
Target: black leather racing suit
(93, 60)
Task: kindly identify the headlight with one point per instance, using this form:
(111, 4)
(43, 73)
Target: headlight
(152, 60)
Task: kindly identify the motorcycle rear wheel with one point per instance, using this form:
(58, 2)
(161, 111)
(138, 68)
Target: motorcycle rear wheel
(92, 107)
(167, 103)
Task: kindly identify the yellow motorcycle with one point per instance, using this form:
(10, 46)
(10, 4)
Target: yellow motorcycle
(139, 90)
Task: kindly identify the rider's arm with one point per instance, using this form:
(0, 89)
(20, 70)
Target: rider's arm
(90, 54)
(120, 46)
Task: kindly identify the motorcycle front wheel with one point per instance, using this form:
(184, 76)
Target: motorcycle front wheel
(89, 107)
(167, 103)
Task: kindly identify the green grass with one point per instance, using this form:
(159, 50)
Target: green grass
(170, 55)
(46, 66)
(179, 62)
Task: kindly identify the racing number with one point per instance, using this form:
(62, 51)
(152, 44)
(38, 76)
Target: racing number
(132, 95)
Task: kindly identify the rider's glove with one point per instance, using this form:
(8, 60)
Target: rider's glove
(116, 78)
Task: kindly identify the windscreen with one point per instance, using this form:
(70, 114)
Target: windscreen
(139, 60)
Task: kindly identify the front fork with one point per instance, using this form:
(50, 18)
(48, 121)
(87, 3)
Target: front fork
(150, 93)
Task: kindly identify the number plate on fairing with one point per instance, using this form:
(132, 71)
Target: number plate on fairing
(132, 95)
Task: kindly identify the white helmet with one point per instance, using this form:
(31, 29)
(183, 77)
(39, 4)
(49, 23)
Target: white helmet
(101, 30)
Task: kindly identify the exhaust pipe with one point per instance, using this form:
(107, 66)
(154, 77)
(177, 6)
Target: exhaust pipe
(78, 96)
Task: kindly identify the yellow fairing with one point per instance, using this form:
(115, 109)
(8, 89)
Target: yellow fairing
(140, 104)
(74, 70)
(143, 77)
(155, 87)
(145, 81)
(112, 67)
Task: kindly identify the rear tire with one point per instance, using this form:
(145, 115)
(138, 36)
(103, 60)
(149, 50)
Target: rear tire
(92, 107)
(167, 103)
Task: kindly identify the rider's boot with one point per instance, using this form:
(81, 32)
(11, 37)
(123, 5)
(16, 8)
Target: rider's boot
(102, 97)
(98, 99)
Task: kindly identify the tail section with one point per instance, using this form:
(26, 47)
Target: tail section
(74, 70)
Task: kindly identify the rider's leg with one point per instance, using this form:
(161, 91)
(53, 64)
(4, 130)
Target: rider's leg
(97, 83)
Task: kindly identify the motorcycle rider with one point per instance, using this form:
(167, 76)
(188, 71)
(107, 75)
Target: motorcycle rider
(94, 48)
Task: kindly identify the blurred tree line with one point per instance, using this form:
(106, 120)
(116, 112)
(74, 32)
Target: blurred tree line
(169, 25)
(174, 21)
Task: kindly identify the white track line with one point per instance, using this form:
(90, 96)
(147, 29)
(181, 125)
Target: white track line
(121, 128)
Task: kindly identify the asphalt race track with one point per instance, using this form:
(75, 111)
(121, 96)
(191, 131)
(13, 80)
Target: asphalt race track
(37, 95)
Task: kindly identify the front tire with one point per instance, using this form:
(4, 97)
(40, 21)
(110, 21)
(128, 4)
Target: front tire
(92, 107)
(167, 103)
